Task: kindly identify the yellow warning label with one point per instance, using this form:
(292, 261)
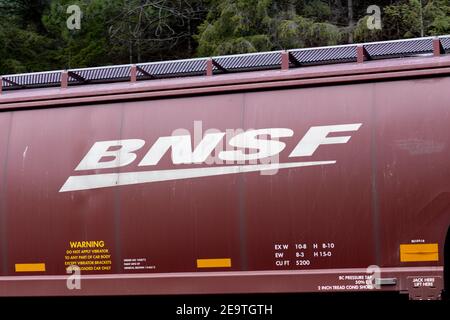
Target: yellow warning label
(214, 263)
(419, 252)
(30, 267)
(88, 255)
(87, 244)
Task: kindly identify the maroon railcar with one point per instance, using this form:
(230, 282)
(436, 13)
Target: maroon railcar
(305, 170)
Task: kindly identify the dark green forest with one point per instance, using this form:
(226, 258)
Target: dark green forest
(34, 35)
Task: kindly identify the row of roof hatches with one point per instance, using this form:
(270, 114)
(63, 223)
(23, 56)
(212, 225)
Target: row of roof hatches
(231, 63)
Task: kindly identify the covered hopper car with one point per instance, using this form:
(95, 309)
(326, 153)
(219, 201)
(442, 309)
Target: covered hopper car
(308, 170)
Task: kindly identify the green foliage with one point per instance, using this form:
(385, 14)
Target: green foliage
(403, 20)
(362, 33)
(302, 32)
(146, 30)
(34, 36)
(317, 10)
(87, 46)
(437, 17)
(235, 27)
(248, 26)
(22, 47)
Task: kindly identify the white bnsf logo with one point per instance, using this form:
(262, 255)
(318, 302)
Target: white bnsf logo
(234, 157)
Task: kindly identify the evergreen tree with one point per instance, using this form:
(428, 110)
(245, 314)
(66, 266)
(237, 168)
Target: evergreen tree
(238, 26)
(23, 46)
(34, 35)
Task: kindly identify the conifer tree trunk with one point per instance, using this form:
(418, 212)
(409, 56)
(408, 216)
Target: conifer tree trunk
(350, 21)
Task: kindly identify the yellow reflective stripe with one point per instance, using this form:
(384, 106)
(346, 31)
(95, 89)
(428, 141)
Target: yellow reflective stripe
(30, 267)
(214, 263)
(419, 252)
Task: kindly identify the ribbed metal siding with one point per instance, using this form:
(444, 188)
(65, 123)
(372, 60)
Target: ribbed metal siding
(34, 79)
(325, 55)
(445, 41)
(400, 48)
(173, 68)
(250, 61)
(244, 62)
(101, 74)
